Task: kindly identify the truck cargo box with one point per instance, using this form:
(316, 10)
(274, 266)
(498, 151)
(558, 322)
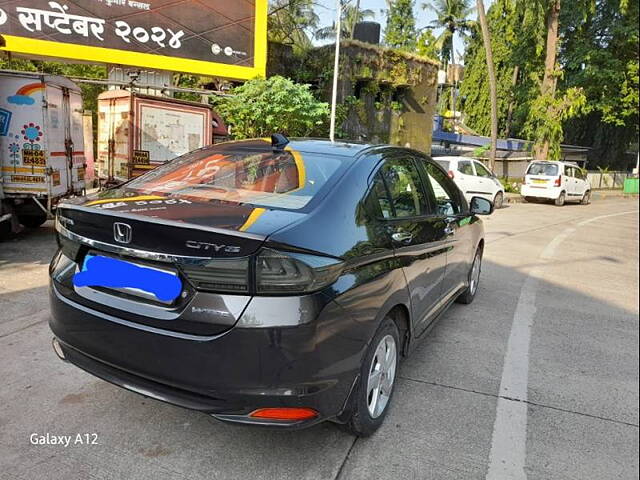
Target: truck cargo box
(138, 132)
(41, 143)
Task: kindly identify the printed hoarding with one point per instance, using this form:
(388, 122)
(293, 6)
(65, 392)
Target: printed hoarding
(207, 37)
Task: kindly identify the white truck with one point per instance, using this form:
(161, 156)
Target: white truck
(41, 146)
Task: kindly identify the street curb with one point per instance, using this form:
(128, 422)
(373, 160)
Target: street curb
(597, 195)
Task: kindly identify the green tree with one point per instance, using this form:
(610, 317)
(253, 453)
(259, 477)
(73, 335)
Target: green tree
(261, 107)
(600, 55)
(351, 14)
(400, 32)
(427, 45)
(453, 17)
(503, 20)
(491, 78)
(521, 32)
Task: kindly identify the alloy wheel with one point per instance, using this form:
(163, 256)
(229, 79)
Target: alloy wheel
(382, 373)
(474, 278)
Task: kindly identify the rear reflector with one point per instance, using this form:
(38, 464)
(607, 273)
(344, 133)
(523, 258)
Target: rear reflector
(290, 414)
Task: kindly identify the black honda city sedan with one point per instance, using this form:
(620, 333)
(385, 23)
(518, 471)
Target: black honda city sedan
(266, 282)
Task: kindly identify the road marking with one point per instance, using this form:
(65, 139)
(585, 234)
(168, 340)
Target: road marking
(509, 441)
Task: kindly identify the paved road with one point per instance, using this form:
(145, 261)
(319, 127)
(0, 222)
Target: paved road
(537, 379)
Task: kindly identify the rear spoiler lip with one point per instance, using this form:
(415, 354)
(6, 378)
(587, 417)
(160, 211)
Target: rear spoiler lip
(158, 221)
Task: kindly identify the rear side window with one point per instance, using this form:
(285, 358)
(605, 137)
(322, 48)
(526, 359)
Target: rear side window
(482, 170)
(549, 169)
(281, 179)
(445, 195)
(444, 164)
(399, 190)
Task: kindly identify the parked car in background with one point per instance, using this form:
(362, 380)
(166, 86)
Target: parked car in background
(266, 283)
(473, 178)
(557, 181)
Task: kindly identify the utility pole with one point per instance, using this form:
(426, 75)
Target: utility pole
(336, 68)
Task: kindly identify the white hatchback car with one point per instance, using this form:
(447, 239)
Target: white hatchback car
(473, 178)
(557, 181)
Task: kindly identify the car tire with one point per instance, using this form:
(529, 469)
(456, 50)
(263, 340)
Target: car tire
(586, 198)
(5, 230)
(362, 421)
(469, 294)
(561, 199)
(498, 200)
(32, 221)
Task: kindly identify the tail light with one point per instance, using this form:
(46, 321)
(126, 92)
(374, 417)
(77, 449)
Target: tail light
(558, 181)
(220, 275)
(451, 174)
(275, 273)
(279, 272)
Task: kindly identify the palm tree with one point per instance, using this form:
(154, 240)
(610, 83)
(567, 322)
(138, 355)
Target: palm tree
(351, 14)
(486, 38)
(452, 15)
(290, 21)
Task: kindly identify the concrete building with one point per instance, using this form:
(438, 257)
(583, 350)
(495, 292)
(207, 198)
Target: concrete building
(384, 95)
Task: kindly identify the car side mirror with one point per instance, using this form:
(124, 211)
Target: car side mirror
(481, 206)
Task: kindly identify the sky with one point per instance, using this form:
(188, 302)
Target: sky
(326, 10)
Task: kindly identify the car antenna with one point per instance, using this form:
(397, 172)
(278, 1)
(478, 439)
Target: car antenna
(279, 141)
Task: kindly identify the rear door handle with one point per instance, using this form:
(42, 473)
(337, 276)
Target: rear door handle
(403, 237)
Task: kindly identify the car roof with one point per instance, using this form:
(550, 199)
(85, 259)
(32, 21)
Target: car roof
(306, 145)
(453, 158)
(555, 162)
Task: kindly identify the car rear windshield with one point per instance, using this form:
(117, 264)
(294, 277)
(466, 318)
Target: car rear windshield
(549, 169)
(280, 179)
(443, 163)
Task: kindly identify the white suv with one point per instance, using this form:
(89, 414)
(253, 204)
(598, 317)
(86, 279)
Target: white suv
(557, 181)
(473, 178)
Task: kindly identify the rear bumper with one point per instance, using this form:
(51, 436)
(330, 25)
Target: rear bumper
(313, 365)
(540, 191)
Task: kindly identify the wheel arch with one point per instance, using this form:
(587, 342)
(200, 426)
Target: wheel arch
(400, 315)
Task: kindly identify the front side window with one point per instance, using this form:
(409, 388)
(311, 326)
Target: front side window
(482, 170)
(445, 194)
(405, 192)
